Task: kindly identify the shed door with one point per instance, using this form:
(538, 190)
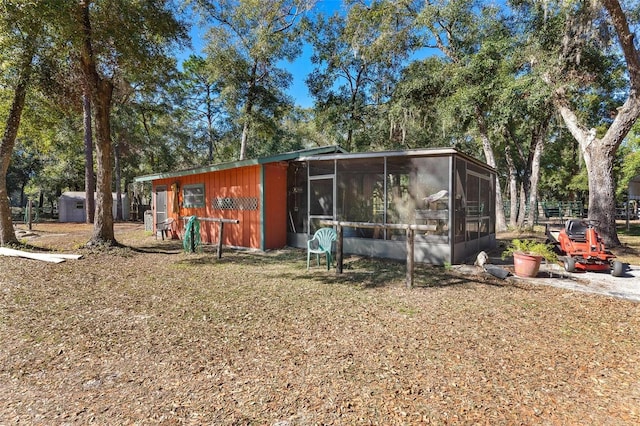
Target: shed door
(161, 203)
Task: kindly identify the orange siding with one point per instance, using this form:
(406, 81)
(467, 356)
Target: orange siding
(275, 208)
(241, 182)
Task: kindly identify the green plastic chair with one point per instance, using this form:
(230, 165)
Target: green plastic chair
(321, 243)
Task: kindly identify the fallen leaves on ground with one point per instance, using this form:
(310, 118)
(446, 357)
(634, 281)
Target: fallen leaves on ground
(148, 334)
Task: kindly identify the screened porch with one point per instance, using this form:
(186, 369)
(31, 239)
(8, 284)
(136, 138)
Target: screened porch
(449, 193)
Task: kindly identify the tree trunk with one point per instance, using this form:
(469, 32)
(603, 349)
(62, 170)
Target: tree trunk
(534, 177)
(103, 223)
(7, 234)
(244, 139)
(145, 124)
(599, 157)
(23, 201)
(599, 160)
(210, 131)
(116, 152)
(501, 222)
(513, 189)
(353, 106)
(522, 207)
(89, 176)
(101, 91)
(599, 154)
(248, 112)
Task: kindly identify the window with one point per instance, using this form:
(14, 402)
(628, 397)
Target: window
(193, 195)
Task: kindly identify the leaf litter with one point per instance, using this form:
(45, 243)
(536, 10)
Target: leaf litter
(147, 334)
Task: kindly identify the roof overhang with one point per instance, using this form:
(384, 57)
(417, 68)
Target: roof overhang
(420, 152)
(288, 156)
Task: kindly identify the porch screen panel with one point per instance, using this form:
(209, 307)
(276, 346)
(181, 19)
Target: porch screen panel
(400, 202)
(297, 197)
(481, 202)
(460, 201)
(360, 190)
(418, 193)
(320, 168)
(321, 197)
(473, 207)
(432, 195)
(485, 199)
(321, 206)
(321, 202)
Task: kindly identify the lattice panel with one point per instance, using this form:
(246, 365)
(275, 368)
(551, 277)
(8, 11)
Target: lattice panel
(235, 203)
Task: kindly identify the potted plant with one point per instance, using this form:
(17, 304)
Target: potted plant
(527, 256)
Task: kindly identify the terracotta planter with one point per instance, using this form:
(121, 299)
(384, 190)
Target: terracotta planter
(526, 265)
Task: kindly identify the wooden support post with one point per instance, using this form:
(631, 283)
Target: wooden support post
(220, 235)
(410, 249)
(339, 243)
(29, 209)
(193, 239)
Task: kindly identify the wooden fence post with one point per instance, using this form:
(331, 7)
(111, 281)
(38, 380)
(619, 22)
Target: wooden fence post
(410, 237)
(339, 257)
(220, 239)
(193, 238)
(29, 209)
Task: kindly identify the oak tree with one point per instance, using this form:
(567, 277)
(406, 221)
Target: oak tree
(247, 42)
(587, 54)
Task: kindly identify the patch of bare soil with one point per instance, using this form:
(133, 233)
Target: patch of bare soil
(147, 334)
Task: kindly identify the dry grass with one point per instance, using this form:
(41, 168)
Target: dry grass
(630, 251)
(148, 334)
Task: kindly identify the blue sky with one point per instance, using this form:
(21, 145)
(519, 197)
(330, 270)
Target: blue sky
(299, 70)
(302, 66)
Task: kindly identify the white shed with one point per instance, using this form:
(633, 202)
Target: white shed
(634, 188)
(71, 206)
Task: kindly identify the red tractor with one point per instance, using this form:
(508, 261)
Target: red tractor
(581, 248)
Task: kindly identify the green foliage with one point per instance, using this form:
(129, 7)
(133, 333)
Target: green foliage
(357, 61)
(418, 111)
(563, 174)
(370, 93)
(247, 43)
(629, 155)
(24, 165)
(531, 247)
(131, 41)
(197, 95)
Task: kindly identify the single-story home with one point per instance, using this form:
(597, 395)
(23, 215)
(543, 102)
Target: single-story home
(72, 206)
(281, 200)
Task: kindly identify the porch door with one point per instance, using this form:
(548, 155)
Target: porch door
(161, 203)
(321, 201)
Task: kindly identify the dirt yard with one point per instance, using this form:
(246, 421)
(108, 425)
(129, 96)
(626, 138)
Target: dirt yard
(147, 334)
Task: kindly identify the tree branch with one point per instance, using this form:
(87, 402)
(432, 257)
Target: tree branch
(625, 37)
